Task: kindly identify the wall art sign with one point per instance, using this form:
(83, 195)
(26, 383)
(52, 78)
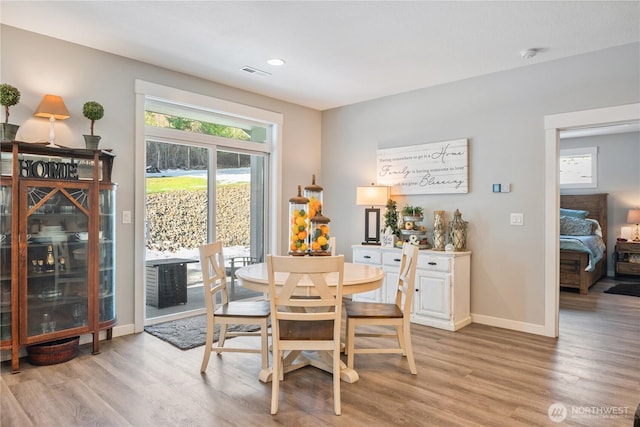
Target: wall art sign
(48, 170)
(435, 168)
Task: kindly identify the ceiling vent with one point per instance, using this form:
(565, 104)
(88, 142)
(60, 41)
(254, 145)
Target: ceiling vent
(255, 71)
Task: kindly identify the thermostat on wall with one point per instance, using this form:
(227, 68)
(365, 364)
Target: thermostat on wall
(501, 188)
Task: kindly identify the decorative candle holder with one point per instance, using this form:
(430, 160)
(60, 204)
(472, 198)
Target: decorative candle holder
(319, 235)
(439, 231)
(458, 232)
(298, 223)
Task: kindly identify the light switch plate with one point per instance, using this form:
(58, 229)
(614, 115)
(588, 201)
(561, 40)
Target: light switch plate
(517, 219)
(126, 217)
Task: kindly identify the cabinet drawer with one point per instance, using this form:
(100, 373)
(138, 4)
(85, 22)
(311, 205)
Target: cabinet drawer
(434, 263)
(366, 256)
(627, 268)
(391, 258)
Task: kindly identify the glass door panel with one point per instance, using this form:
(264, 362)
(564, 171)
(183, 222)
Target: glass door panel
(177, 220)
(57, 272)
(240, 196)
(106, 235)
(5, 262)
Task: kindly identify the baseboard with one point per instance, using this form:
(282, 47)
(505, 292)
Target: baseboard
(514, 325)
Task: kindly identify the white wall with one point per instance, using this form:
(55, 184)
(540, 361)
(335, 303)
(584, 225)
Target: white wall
(618, 176)
(37, 65)
(502, 115)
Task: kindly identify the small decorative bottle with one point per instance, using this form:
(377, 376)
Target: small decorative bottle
(313, 192)
(319, 235)
(298, 223)
(50, 263)
(439, 231)
(458, 232)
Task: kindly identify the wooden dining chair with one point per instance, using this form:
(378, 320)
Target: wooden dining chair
(223, 312)
(386, 314)
(306, 313)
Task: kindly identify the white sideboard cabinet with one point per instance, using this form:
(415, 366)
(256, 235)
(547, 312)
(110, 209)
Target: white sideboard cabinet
(442, 287)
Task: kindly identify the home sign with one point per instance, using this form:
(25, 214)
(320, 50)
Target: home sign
(434, 168)
(48, 170)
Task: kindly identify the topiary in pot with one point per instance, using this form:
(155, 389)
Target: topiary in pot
(9, 96)
(93, 111)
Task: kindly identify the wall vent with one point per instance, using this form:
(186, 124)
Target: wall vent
(255, 71)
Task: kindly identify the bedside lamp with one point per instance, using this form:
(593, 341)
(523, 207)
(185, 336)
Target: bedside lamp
(373, 195)
(633, 217)
(52, 107)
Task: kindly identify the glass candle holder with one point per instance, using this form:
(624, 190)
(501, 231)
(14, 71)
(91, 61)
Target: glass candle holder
(314, 193)
(319, 243)
(298, 224)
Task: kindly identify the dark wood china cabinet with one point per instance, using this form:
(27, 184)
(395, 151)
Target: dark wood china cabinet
(57, 253)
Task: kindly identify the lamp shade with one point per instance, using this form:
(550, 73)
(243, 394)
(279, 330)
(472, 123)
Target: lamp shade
(373, 195)
(52, 106)
(633, 216)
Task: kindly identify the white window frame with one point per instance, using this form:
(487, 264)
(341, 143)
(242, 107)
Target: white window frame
(144, 89)
(581, 152)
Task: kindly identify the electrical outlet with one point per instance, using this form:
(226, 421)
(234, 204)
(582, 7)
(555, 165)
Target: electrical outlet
(517, 219)
(126, 217)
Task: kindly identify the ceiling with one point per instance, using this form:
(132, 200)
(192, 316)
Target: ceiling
(336, 53)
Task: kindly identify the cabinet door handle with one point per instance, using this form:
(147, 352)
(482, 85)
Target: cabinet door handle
(366, 257)
(397, 259)
(432, 263)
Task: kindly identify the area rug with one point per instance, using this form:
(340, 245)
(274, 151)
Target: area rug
(191, 332)
(632, 289)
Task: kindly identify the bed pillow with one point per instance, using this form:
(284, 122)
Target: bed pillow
(574, 213)
(572, 226)
(595, 227)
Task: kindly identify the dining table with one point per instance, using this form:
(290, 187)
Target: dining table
(357, 278)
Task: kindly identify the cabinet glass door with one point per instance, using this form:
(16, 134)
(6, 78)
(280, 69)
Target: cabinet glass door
(5, 263)
(57, 296)
(107, 294)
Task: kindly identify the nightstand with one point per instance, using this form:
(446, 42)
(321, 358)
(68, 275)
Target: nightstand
(627, 258)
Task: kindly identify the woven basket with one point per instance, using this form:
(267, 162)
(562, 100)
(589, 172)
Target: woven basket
(51, 353)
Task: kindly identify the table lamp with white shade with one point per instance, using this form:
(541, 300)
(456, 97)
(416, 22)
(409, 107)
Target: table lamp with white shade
(633, 217)
(52, 107)
(373, 195)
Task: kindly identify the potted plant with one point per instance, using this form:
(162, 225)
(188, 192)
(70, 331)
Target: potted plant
(391, 230)
(391, 218)
(412, 213)
(93, 111)
(9, 96)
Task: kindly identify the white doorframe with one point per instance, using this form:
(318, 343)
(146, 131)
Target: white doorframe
(553, 125)
(143, 89)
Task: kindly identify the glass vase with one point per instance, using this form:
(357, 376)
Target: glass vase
(298, 224)
(319, 238)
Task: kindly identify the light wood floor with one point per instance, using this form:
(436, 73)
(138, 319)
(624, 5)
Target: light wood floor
(478, 376)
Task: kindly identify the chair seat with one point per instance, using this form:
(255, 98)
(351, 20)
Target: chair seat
(371, 310)
(244, 309)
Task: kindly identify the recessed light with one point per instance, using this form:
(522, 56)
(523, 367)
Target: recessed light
(276, 62)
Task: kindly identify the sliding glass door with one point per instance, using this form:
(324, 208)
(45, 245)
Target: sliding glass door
(204, 186)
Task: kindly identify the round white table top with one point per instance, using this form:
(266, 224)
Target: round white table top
(357, 278)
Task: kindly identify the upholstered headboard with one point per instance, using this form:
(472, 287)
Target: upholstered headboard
(595, 204)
